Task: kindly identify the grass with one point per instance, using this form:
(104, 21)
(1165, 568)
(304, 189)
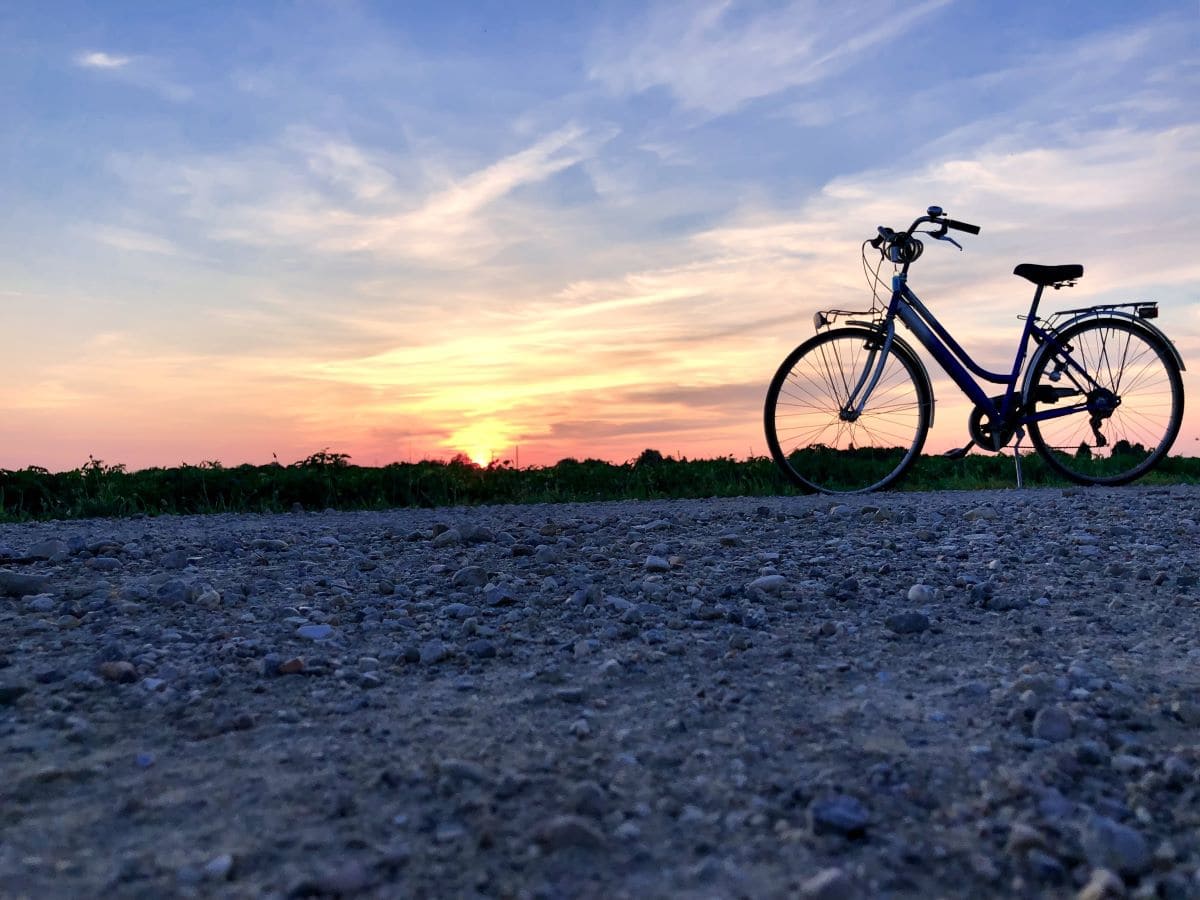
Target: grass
(328, 480)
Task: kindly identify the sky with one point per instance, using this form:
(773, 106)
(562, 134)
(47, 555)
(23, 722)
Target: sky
(529, 231)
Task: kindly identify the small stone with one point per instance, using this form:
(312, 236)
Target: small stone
(1103, 885)
(907, 623)
(589, 799)
(13, 584)
(1128, 764)
(433, 652)
(52, 549)
(980, 513)
(343, 880)
(315, 632)
(480, 649)
(448, 538)
(41, 603)
(209, 599)
(1109, 844)
(1023, 838)
(768, 584)
(370, 680)
(829, 884)
(546, 554)
(219, 867)
(11, 693)
(470, 576)
(566, 831)
(840, 813)
(657, 564)
(105, 564)
(1052, 723)
(921, 593)
(174, 559)
(1044, 867)
(122, 671)
(499, 596)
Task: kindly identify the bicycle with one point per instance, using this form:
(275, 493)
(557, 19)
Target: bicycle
(848, 411)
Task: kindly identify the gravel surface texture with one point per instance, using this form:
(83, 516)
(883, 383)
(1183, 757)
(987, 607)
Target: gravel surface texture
(899, 695)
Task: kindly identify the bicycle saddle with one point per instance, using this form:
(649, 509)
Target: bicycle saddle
(1046, 275)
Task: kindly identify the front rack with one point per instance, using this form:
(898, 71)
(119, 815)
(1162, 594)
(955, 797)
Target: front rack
(826, 317)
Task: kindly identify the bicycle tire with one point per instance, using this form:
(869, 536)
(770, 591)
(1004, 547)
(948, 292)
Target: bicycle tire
(802, 414)
(1139, 369)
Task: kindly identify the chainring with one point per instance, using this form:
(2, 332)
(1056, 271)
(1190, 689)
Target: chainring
(987, 437)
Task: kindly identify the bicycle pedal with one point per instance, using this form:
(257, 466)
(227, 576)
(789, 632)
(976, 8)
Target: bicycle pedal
(959, 453)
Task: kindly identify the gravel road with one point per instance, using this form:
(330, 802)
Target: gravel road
(899, 695)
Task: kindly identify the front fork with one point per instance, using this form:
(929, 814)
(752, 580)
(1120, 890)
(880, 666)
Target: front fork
(856, 402)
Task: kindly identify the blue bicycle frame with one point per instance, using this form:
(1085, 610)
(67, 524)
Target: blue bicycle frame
(958, 364)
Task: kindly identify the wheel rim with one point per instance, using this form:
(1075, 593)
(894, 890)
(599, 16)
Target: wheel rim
(1134, 404)
(831, 447)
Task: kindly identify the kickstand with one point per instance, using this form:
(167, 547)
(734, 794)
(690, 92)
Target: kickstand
(1017, 457)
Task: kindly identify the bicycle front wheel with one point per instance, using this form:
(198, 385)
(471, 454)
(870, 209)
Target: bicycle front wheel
(817, 435)
(1127, 393)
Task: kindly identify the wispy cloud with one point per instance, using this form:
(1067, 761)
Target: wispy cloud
(718, 57)
(143, 72)
(132, 240)
(97, 59)
(327, 195)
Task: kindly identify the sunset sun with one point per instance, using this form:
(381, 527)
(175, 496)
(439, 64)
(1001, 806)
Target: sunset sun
(482, 442)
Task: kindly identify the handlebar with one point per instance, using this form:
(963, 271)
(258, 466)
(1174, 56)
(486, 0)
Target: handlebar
(904, 248)
(962, 226)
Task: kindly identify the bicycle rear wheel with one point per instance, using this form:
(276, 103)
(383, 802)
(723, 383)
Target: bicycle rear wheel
(1130, 396)
(821, 446)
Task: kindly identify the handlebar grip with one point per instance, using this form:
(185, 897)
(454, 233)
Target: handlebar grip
(962, 226)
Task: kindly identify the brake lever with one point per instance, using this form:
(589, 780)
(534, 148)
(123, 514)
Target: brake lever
(945, 237)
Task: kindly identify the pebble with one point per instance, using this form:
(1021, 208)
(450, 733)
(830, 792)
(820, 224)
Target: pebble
(315, 632)
(829, 884)
(567, 831)
(768, 584)
(1102, 885)
(1052, 723)
(838, 813)
(921, 594)
(657, 564)
(14, 584)
(907, 622)
(470, 576)
(1111, 845)
(122, 672)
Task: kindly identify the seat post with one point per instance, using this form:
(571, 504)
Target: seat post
(1037, 298)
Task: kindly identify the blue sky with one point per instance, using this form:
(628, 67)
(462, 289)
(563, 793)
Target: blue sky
(404, 230)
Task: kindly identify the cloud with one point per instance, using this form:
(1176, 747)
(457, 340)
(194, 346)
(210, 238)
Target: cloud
(143, 72)
(719, 56)
(100, 60)
(326, 195)
(132, 240)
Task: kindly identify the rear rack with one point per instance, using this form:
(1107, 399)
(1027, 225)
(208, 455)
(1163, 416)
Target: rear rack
(1144, 309)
